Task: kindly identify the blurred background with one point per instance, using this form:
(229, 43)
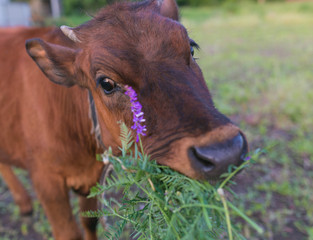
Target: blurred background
(257, 59)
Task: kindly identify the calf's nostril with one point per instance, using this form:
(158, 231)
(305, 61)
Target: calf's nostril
(206, 161)
(214, 159)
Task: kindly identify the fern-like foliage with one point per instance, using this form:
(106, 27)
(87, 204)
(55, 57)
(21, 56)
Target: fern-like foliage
(161, 204)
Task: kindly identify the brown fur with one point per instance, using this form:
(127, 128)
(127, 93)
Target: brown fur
(45, 127)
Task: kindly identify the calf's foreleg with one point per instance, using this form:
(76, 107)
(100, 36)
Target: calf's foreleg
(54, 196)
(20, 195)
(89, 224)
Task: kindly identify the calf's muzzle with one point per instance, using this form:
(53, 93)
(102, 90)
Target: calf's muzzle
(214, 159)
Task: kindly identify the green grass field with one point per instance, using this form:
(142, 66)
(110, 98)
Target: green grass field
(258, 63)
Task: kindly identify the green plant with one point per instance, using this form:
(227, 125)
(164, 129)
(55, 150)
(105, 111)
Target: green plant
(159, 203)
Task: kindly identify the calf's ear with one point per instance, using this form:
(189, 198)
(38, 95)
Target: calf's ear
(169, 8)
(56, 61)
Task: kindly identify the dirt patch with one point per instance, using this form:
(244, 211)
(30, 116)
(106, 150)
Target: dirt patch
(21, 228)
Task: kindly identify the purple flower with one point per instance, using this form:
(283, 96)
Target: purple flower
(137, 113)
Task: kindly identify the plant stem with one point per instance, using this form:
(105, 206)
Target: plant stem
(222, 195)
(150, 221)
(246, 218)
(233, 174)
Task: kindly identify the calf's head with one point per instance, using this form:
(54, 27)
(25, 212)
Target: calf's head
(144, 46)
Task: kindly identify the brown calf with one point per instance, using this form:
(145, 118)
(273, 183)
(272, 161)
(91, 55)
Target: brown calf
(46, 128)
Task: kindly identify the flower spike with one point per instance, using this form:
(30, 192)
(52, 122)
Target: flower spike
(136, 109)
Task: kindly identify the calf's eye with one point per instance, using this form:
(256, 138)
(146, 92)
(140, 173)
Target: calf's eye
(107, 84)
(192, 51)
(193, 45)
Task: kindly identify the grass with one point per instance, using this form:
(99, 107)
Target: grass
(257, 60)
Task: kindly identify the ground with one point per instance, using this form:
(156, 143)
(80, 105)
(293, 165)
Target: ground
(257, 60)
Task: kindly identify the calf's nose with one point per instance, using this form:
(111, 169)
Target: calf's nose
(213, 160)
